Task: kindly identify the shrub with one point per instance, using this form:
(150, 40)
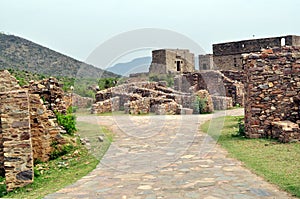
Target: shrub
(200, 105)
(68, 121)
(105, 83)
(241, 128)
(60, 150)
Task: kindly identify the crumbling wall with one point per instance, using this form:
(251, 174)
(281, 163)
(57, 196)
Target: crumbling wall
(16, 138)
(215, 82)
(27, 126)
(272, 86)
(142, 97)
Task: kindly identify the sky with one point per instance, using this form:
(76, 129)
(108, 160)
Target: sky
(77, 28)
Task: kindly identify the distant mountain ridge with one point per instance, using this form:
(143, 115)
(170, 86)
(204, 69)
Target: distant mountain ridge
(137, 65)
(21, 54)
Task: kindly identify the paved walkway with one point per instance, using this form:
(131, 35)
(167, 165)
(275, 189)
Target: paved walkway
(166, 157)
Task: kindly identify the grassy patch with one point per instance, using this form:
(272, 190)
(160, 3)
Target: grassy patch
(277, 163)
(58, 173)
(92, 132)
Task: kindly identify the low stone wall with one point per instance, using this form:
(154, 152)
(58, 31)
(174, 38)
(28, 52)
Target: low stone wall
(221, 103)
(285, 131)
(106, 106)
(144, 97)
(272, 91)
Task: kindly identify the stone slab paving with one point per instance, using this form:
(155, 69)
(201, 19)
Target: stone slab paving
(166, 157)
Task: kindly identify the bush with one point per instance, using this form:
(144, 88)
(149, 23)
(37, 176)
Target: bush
(105, 83)
(60, 150)
(68, 121)
(200, 105)
(241, 126)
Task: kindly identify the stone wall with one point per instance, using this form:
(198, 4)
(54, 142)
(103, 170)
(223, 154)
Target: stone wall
(229, 55)
(215, 82)
(27, 126)
(142, 97)
(50, 90)
(16, 138)
(234, 75)
(108, 105)
(206, 62)
(272, 92)
(165, 61)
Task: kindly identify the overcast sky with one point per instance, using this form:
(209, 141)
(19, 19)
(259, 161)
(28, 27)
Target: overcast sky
(76, 28)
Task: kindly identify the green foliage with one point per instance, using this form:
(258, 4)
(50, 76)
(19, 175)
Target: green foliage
(241, 126)
(68, 121)
(105, 83)
(200, 105)
(2, 186)
(169, 78)
(60, 150)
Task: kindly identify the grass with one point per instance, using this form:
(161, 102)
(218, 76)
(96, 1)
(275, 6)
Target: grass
(58, 173)
(92, 132)
(277, 163)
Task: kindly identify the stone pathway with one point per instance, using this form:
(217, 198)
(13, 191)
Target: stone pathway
(167, 157)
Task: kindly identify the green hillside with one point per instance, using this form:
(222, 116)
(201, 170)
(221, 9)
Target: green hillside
(21, 54)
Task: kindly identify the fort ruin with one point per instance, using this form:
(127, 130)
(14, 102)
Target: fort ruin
(172, 61)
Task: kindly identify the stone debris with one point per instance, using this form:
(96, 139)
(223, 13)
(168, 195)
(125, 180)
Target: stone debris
(141, 98)
(215, 82)
(272, 94)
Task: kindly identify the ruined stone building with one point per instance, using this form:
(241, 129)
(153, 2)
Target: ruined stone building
(206, 62)
(170, 61)
(28, 126)
(228, 56)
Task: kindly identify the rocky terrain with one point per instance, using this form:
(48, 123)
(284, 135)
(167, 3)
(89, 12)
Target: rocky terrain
(22, 54)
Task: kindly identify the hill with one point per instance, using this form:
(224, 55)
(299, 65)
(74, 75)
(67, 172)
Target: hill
(137, 65)
(21, 54)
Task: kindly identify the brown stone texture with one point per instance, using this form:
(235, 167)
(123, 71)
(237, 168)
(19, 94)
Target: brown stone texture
(50, 90)
(203, 94)
(16, 138)
(44, 128)
(8, 82)
(141, 98)
(27, 126)
(215, 82)
(165, 61)
(272, 92)
(106, 106)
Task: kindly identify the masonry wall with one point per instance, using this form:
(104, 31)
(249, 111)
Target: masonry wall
(228, 55)
(214, 81)
(16, 138)
(165, 61)
(206, 62)
(272, 83)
